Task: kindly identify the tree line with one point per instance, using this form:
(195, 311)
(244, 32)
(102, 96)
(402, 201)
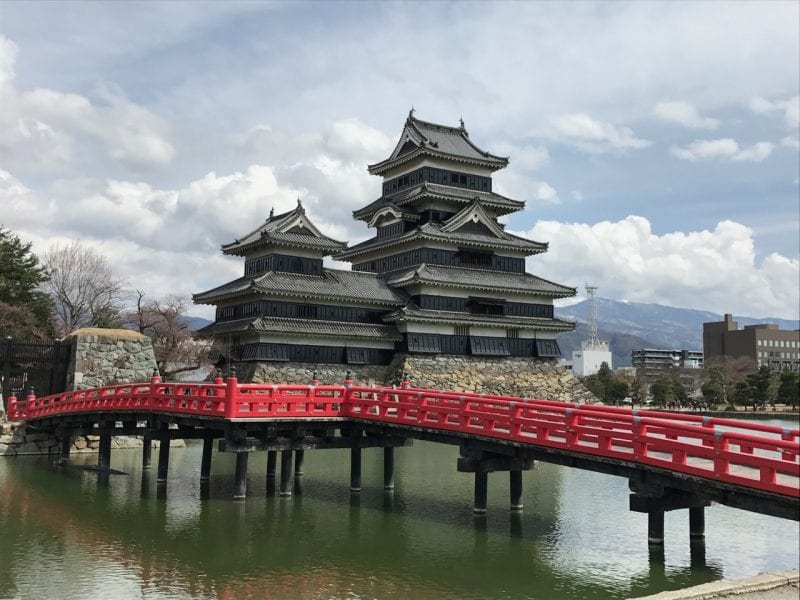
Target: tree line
(72, 286)
(727, 383)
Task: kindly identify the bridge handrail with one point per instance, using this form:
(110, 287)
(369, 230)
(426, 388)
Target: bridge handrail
(715, 448)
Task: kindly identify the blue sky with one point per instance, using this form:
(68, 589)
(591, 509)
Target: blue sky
(656, 144)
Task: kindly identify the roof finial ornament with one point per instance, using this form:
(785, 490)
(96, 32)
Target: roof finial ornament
(300, 205)
(461, 120)
(411, 112)
(271, 212)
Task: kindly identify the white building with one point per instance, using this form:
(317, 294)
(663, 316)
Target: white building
(588, 359)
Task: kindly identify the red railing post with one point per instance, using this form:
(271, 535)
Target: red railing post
(721, 464)
(405, 384)
(13, 408)
(231, 394)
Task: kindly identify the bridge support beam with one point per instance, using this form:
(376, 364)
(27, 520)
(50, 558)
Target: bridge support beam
(299, 460)
(286, 473)
(481, 492)
(104, 456)
(66, 446)
(205, 461)
(515, 489)
(147, 450)
(272, 460)
(655, 500)
(655, 527)
(388, 468)
(163, 458)
(355, 470)
(240, 489)
(697, 522)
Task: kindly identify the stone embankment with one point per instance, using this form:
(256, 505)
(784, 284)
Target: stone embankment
(524, 377)
(17, 439)
(768, 586)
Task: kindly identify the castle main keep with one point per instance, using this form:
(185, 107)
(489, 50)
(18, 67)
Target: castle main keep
(440, 291)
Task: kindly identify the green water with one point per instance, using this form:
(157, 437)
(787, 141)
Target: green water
(65, 533)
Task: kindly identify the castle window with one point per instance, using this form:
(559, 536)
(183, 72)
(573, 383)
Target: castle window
(512, 333)
(461, 330)
(306, 311)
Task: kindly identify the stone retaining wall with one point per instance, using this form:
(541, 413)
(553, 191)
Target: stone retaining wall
(525, 377)
(109, 356)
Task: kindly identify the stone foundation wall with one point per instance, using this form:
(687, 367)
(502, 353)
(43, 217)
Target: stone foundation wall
(17, 439)
(109, 356)
(98, 357)
(525, 377)
(514, 376)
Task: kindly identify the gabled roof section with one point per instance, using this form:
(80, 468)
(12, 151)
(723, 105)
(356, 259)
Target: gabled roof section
(289, 229)
(390, 208)
(352, 287)
(500, 204)
(474, 213)
(479, 279)
(424, 138)
(458, 239)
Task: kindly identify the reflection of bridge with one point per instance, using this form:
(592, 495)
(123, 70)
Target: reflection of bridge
(672, 461)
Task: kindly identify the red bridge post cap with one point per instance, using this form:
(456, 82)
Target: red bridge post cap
(405, 384)
(12, 407)
(155, 377)
(348, 382)
(314, 380)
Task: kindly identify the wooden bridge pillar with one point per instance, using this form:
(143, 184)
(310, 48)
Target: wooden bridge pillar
(147, 450)
(163, 458)
(515, 489)
(655, 527)
(104, 456)
(299, 459)
(355, 470)
(66, 446)
(481, 492)
(388, 468)
(272, 460)
(286, 473)
(240, 490)
(205, 461)
(697, 523)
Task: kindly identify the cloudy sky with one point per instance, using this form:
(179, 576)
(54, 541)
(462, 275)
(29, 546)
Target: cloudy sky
(656, 144)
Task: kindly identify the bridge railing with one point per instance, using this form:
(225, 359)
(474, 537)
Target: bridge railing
(755, 455)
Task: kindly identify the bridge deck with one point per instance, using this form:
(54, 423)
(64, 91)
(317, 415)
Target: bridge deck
(745, 464)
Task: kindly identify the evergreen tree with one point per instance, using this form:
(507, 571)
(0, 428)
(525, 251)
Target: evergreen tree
(742, 393)
(20, 278)
(759, 383)
(789, 389)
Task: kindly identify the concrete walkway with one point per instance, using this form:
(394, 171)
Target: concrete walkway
(769, 586)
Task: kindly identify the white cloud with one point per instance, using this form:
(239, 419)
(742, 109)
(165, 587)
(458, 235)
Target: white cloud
(791, 142)
(526, 158)
(40, 128)
(723, 148)
(684, 114)
(593, 136)
(790, 108)
(712, 270)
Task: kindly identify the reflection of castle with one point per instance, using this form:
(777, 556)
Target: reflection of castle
(440, 276)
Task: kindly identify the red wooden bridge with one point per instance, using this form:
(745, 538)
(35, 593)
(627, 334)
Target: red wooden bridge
(672, 460)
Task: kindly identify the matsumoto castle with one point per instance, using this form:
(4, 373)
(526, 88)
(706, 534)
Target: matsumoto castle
(440, 277)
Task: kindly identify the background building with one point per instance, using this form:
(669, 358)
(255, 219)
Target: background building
(593, 352)
(766, 344)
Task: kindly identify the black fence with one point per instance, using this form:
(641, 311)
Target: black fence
(38, 365)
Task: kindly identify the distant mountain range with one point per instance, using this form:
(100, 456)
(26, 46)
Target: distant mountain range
(629, 325)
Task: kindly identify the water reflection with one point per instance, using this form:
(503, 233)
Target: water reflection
(575, 538)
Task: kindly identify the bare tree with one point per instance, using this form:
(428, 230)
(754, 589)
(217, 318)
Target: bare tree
(84, 290)
(164, 321)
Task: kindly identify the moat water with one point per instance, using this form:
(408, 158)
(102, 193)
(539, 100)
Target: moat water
(66, 533)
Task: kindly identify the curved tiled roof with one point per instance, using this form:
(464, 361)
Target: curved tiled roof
(411, 312)
(278, 230)
(433, 139)
(437, 275)
(305, 327)
(500, 204)
(432, 231)
(334, 284)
